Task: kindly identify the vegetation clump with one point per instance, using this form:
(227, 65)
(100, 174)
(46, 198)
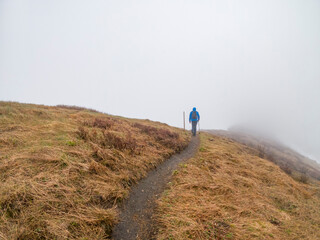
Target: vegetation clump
(164, 136)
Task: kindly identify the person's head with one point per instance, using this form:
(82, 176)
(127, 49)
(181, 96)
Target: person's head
(194, 109)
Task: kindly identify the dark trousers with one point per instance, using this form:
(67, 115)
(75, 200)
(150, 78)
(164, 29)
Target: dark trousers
(194, 127)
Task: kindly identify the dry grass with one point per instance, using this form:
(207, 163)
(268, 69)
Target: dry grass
(228, 192)
(72, 107)
(64, 170)
(296, 165)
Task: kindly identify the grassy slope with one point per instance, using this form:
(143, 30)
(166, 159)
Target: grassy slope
(276, 152)
(227, 192)
(64, 171)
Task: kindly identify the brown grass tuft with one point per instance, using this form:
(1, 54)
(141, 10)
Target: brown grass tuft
(286, 168)
(103, 123)
(120, 143)
(164, 136)
(303, 178)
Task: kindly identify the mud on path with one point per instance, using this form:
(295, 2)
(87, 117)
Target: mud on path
(136, 214)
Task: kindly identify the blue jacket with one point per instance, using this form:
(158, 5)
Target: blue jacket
(192, 120)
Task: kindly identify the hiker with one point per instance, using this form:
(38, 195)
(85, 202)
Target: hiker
(194, 119)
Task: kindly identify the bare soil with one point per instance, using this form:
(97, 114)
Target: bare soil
(136, 221)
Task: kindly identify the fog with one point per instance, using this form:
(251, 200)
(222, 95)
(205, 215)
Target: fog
(252, 63)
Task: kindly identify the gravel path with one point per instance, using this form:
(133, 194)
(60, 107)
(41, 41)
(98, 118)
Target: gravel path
(136, 215)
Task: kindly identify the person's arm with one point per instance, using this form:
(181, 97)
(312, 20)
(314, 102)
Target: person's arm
(198, 116)
(190, 115)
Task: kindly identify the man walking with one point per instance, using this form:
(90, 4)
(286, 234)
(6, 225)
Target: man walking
(194, 118)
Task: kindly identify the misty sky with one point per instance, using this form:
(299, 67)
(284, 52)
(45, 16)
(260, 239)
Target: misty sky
(249, 62)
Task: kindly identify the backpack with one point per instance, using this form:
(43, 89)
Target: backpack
(194, 115)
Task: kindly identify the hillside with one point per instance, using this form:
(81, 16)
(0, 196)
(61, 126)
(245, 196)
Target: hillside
(229, 191)
(64, 170)
(288, 159)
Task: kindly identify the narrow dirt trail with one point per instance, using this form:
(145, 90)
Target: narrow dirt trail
(136, 215)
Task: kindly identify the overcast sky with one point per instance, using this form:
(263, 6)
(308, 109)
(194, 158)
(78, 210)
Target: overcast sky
(246, 62)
